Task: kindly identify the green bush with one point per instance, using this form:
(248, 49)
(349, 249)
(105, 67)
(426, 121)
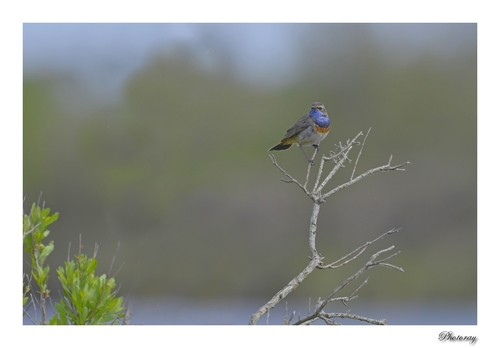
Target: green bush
(87, 299)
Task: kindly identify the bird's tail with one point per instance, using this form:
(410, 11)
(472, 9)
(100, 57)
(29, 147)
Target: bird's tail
(280, 147)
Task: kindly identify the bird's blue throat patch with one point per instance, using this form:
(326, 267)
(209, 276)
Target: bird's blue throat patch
(319, 118)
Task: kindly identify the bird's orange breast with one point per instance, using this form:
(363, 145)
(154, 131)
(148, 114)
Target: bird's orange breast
(321, 130)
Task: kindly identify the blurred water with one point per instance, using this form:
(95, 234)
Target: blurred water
(185, 311)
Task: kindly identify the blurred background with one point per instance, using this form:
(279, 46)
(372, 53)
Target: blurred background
(151, 140)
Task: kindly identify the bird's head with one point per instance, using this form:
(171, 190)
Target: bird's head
(320, 107)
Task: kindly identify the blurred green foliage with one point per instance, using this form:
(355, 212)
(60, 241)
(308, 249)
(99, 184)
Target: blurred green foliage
(178, 172)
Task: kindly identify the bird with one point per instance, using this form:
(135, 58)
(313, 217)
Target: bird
(310, 129)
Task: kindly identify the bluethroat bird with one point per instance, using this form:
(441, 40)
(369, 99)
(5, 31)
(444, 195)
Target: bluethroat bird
(308, 130)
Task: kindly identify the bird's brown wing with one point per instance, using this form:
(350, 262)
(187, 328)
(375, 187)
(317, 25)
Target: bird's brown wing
(303, 123)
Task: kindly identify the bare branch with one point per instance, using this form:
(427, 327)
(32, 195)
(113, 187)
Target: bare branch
(335, 169)
(354, 316)
(371, 263)
(382, 262)
(290, 178)
(344, 150)
(310, 165)
(358, 250)
(384, 168)
(280, 295)
(352, 296)
(316, 260)
(324, 317)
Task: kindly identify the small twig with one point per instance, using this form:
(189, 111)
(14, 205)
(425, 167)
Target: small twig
(32, 301)
(31, 231)
(384, 168)
(355, 317)
(359, 250)
(360, 151)
(114, 258)
(334, 156)
(335, 169)
(69, 249)
(128, 315)
(290, 178)
(80, 246)
(382, 262)
(287, 320)
(333, 264)
(310, 165)
(352, 296)
(324, 317)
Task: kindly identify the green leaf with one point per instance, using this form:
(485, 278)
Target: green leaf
(46, 251)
